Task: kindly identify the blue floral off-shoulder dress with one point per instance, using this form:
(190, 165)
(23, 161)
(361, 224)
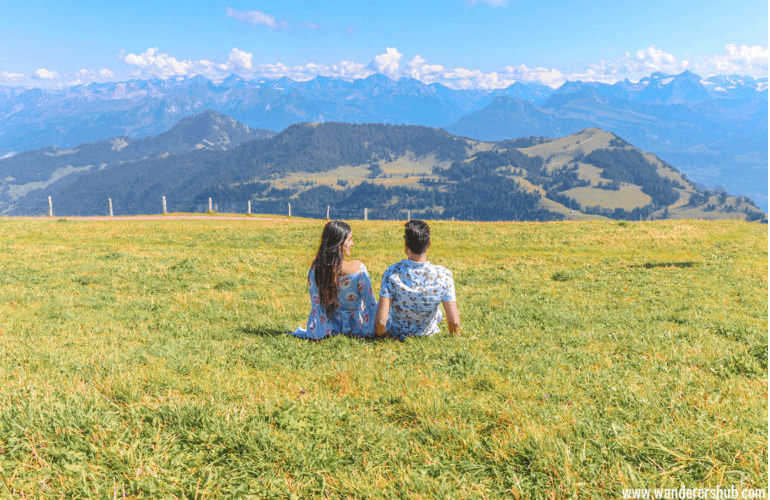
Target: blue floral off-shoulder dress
(354, 316)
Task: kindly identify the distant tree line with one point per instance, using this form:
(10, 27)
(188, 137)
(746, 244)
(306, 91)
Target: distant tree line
(484, 197)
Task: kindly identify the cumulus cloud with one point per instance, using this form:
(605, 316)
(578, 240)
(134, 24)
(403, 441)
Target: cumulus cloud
(346, 70)
(103, 74)
(240, 59)
(44, 74)
(632, 66)
(387, 63)
(740, 60)
(419, 69)
(736, 59)
(85, 76)
(152, 63)
(523, 73)
(462, 78)
(162, 65)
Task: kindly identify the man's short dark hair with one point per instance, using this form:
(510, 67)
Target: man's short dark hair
(417, 236)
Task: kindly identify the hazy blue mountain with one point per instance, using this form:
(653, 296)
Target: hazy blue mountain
(32, 171)
(714, 129)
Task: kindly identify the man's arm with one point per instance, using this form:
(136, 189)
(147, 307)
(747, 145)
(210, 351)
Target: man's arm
(381, 320)
(452, 317)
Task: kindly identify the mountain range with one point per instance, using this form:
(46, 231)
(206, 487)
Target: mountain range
(714, 130)
(389, 170)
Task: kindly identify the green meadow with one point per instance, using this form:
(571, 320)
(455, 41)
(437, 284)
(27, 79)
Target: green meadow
(148, 359)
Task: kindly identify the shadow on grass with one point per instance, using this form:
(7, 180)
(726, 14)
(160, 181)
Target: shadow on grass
(272, 331)
(650, 265)
(263, 330)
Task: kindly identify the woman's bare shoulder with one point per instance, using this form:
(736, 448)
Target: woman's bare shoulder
(351, 266)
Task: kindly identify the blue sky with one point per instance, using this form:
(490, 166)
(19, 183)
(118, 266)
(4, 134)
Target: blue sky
(460, 43)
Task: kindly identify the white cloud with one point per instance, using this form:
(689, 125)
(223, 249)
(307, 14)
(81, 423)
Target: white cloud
(44, 74)
(736, 60)
(346, 70)
(10, 77)
(257, 18)
(522, 73)
(240, 60)
(85, 76)
(633, 66)
(461, 78)
(741, 60)
(103, 74)
(387, 63)
(253, 17)
(151, 63)
(419, 69)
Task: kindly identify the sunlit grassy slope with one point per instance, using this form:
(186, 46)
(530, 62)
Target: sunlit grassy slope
(147, 359)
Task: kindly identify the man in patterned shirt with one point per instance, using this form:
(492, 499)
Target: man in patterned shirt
(413, 289)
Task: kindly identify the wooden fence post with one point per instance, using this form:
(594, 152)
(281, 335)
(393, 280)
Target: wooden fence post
(50, 207)
(164, 206)
(366, 214)
(248, 211)
(210, 206)
(408, 215)
(109, 201)
(289, 209)
(327, 212)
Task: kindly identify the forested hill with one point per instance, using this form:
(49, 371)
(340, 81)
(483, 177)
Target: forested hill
(318, 147)
(390, 170)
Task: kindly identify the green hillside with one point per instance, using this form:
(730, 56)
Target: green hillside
(148, 359)
(395, 170)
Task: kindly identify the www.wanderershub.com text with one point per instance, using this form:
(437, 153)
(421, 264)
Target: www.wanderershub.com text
(728, 492)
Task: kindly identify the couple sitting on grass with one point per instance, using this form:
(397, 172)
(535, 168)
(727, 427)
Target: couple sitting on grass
(342, 299)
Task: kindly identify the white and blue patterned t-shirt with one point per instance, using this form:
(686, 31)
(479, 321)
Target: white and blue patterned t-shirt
(416, 290)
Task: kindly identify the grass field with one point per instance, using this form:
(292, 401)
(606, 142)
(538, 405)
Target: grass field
(147, 359)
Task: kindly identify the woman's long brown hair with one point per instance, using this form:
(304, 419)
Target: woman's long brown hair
(328, 263)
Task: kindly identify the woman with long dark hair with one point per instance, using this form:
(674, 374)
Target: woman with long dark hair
(341, 296)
